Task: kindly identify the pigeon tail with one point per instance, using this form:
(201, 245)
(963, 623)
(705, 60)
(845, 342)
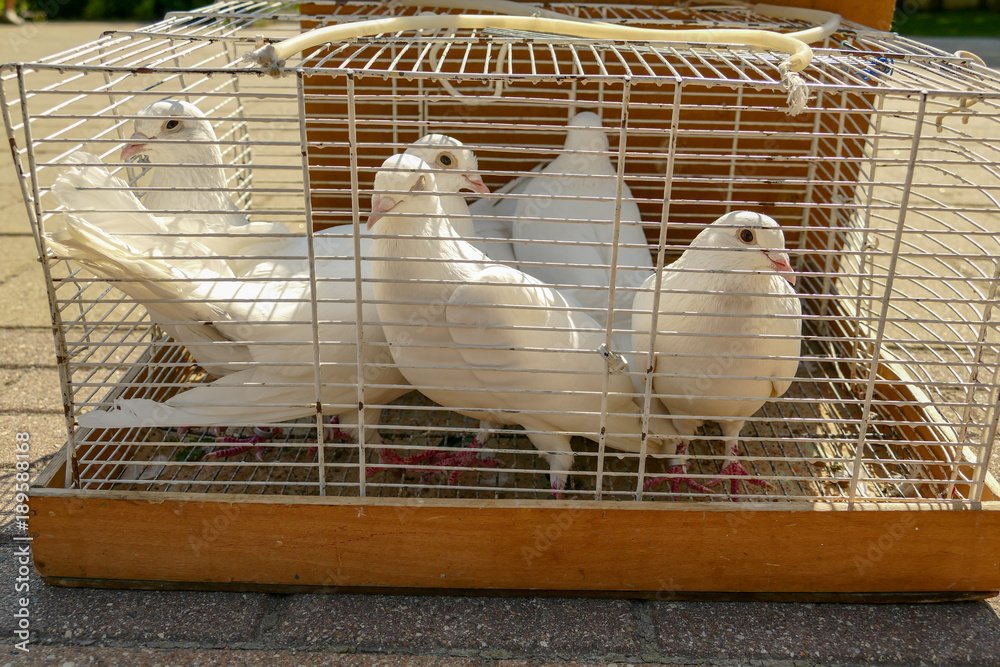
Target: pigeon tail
(129, 413)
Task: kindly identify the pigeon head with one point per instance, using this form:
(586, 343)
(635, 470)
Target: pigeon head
(174, 132)
(757, 240)
(404, 184)
(459, 166)
(585, 132)
(585, 145)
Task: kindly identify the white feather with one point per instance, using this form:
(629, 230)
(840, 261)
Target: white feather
(485, 339)
(186, 268)
(567, 213)
(729, 326)
(267, 325)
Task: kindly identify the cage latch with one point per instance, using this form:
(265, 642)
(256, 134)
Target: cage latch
(616, 362)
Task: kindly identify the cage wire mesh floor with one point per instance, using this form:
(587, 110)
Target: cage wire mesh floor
(884, 185)
(804, 450)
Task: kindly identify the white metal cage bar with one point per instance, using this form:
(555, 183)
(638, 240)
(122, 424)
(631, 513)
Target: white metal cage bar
(884, 187)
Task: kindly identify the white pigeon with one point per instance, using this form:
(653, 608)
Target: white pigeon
(258, 257)
(728, 330)
(284, 257)
(89, 194)
(271, 321)
(191, 197)
(459, 170)
(86, 188)
(201, 252)
(486, 339)
(187, 176)
(493, 219)
(572, 202)
(176, 137)
(488, 226)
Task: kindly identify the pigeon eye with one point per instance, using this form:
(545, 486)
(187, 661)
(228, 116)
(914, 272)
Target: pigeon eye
(747, 235)
(446, 160)
(419, 185)
(171, 125)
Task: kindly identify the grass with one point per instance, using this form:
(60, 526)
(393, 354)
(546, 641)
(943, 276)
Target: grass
(968, 23)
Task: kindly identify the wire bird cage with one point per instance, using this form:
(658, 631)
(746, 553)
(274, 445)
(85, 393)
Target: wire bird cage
(885, 188)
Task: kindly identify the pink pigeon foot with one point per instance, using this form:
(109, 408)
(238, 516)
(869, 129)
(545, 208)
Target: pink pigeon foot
(467, 457)
(337, 433)
(253, 442)
(233, 451)
(676, 477)
(389, 457)
(386, 456)
(740, 474)
(425, 461)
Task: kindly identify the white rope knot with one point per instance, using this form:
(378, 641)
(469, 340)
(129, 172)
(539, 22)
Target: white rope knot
(267, 58)
(795, 85)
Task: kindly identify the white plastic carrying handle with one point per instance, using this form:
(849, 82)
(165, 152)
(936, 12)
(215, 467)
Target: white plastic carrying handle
(827, 22)
(272, 56)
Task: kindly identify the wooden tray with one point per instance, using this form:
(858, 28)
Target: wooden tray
(921, 550)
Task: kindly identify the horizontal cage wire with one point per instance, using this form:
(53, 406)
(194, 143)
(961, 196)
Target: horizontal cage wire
(226, 321)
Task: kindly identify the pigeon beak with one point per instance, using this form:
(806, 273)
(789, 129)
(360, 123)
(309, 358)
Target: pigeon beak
(136, 146)
(781, 263)
(476, 183)
(380, 204)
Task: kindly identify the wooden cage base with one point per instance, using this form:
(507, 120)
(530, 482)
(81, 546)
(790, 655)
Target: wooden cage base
(891, 552)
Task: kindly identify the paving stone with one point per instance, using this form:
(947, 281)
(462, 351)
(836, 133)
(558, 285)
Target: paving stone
(80, 615)
(500, 627)
(21, 256)
(901, 634)
(544, 663)
(12, 590)
(27, 348)
(13, 216)
(47, 430)
(30, 390)
(32, 41)
(48, 433)
(105, 657)
(24, 302)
